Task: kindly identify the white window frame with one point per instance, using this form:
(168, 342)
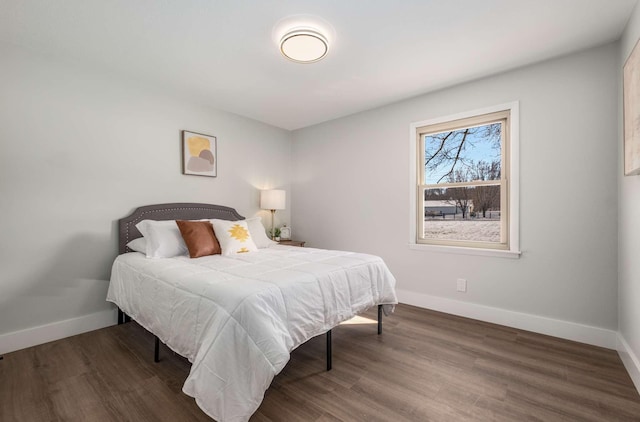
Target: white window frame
(511, 183)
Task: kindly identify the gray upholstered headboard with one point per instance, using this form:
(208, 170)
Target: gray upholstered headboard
(179, 211)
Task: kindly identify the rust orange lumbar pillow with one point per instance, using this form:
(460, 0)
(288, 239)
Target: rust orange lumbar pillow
(199, 238)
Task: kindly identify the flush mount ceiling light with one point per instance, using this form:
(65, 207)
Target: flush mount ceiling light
(304, 45)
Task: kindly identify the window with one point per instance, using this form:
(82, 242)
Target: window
(464, 192)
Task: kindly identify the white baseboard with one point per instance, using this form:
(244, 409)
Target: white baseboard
(630, 360)
(17, 340)
(553, 327)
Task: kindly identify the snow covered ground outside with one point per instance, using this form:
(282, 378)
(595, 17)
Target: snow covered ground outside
(479, 230)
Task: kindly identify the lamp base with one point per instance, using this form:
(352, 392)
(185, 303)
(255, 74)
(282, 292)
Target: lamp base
(273, 213)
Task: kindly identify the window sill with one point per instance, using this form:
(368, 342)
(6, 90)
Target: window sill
(466, 251)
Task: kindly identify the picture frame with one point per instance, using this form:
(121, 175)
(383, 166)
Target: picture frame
(631, 104)
(199, 154)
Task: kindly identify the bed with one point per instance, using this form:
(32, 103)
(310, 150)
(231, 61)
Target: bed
(237, 318)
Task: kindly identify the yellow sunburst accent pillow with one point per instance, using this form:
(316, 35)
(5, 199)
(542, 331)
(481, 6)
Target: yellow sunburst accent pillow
(234, 236)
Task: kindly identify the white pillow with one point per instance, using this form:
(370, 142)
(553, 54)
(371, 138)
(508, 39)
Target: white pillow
(138, 245)
(234, 236)
(259, 233)
(163, 238)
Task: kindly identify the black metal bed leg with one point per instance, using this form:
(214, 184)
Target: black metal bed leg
(156, 352)
(379, 319)
(122, 317)
(329, 358)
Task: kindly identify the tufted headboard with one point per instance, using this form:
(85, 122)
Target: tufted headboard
(178, 211)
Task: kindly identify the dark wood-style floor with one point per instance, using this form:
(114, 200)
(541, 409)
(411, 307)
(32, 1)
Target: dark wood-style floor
(427, 366)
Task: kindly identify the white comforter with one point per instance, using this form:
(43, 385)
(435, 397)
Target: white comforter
(237, 318)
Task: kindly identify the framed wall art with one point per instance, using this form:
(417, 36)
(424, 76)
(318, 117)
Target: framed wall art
(199, 154)
(631, 88)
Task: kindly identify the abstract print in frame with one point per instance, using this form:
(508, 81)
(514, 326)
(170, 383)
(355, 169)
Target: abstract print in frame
(199, 154)
(631, 88)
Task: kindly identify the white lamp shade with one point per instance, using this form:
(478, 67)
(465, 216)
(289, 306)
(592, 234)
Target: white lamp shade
(274, 199)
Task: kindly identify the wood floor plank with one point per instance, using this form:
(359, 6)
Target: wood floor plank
(426, 366)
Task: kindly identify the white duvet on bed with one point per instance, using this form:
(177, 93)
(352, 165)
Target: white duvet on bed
(237, 318)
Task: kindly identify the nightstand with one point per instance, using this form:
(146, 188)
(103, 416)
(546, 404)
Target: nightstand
(292, 243)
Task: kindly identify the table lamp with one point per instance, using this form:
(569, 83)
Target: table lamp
(273, 199)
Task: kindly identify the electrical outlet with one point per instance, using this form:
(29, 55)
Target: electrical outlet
(461, 285)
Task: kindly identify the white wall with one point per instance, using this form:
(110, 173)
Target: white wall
(351, 192)
(81, 148)
(629, 232)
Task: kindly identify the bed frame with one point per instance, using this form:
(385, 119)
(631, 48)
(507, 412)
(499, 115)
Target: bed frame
(127, 231)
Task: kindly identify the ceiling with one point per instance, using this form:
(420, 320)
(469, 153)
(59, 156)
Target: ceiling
(221, 53)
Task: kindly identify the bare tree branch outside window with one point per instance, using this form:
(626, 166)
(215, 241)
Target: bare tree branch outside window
(455, 154)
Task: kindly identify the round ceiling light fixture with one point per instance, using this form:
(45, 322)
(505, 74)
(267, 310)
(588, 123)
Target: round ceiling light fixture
(304, 45)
